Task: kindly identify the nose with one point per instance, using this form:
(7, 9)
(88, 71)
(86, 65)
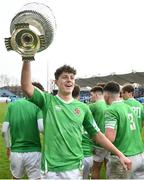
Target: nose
(69, 78)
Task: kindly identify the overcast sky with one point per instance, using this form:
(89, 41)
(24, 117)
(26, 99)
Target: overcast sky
(97, 37)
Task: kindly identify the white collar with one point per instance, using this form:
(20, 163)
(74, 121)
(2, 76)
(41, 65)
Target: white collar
(130, 98)
(118, 101)
(66, 102)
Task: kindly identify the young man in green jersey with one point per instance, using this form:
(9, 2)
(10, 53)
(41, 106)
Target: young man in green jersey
(24, 121)
(20, 130)
(64, 119)
(122, 129)
(87, 143)
(127, 93)
(98, 108)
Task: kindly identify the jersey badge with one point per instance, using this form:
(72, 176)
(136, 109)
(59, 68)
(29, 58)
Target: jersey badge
(77, 111)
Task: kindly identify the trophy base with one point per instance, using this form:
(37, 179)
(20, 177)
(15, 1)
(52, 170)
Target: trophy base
(28, 58)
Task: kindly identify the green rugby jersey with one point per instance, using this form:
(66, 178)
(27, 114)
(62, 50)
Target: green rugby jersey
(120, 117)
(87, 143)
(98, 109)
(22, 116)
(63, 124)
(138, 110)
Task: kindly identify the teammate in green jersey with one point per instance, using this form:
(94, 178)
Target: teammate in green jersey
(87, 143)
(24, 120)
(122, 129)
(127, 93)
(98, 107)
(64, 119)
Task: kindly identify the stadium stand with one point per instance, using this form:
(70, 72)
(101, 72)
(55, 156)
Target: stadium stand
(6, 93)
(16, 90)
(133, 77)
(7, 96)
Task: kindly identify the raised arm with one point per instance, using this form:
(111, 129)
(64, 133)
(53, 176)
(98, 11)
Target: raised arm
(26, 83)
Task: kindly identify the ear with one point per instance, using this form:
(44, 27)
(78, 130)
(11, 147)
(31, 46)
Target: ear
(95, 94)
(56, 82)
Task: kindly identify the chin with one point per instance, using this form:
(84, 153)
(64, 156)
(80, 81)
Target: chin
(69, 92)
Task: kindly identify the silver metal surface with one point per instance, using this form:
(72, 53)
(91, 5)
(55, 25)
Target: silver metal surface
(32, 30)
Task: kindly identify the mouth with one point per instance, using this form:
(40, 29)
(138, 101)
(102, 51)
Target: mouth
(68, 85)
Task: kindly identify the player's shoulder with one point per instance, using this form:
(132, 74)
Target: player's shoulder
(17, 102)
(81, 104)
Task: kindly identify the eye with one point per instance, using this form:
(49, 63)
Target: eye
(72, 77)
(64, 77)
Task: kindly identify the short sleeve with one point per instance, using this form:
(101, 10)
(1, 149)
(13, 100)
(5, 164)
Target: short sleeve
(89, 123)
(110, 119)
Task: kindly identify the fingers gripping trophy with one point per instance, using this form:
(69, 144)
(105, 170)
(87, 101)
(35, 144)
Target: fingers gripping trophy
(32, 30)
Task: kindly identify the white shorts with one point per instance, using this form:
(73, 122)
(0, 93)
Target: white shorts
(137, 166)
(29, 162)
(73, 174)
(87, 163)
(115, 170)
(100, 154)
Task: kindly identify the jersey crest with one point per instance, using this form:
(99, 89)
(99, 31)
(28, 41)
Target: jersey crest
(77, 111)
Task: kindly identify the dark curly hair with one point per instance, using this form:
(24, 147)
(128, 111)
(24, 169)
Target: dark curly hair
(65, 68)
(128, 88)
(38, 85)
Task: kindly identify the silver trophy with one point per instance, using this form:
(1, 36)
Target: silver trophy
(32, 30)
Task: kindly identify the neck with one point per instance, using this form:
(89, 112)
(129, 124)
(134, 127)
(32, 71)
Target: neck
(66, 98)
(114, 98)
(99, 98)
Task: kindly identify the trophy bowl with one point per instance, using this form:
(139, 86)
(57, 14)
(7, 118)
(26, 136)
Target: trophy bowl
(32, 30)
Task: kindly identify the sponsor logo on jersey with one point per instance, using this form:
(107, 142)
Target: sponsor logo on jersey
(58, 108)
(77, 111)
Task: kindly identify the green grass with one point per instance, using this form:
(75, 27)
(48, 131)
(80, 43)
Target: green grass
(4, 162)
(3, 108)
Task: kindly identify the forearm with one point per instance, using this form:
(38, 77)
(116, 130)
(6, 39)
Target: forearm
(6, 139)
(5, 133)
(26, 83)
(106, 143)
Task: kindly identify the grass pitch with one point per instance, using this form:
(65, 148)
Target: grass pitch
(4, 162)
